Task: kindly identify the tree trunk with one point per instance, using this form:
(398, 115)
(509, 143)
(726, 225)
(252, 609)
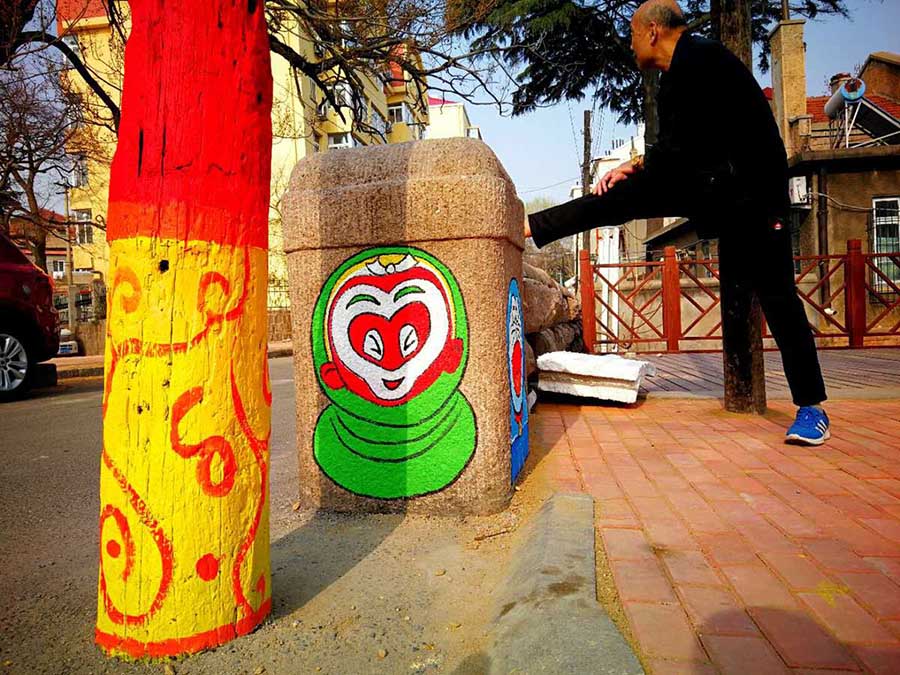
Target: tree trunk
(184, 540)
(731, 24)
(38, 247)
(651, 113)
(745, 382)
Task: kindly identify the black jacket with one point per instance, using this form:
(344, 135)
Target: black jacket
(719, 153)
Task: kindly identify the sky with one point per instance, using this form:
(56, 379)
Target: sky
(544, 148)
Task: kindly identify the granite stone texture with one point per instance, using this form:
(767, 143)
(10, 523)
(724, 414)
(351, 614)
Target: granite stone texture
(400, 258)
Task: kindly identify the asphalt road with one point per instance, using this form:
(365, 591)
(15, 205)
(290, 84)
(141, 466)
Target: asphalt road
(49, 506)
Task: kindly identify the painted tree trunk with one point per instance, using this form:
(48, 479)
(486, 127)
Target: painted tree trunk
(184, 531)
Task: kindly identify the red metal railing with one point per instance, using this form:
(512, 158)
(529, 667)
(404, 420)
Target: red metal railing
(852, 300)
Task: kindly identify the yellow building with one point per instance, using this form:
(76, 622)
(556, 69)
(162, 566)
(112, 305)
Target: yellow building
(302, 123)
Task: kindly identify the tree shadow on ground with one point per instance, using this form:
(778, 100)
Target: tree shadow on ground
(774, 640)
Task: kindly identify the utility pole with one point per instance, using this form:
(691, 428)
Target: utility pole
(586, 175)
(70, 289)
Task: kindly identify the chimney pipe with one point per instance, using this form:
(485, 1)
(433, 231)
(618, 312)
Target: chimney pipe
(785, 10)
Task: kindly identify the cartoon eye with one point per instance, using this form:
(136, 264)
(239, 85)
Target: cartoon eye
(373, 345)
(409, 340)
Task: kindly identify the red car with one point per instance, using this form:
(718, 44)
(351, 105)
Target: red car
(29, 323)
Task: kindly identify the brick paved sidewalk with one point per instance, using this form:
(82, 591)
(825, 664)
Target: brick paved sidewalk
(732, 552)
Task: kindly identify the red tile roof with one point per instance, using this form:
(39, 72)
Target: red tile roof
(815, 106)
(439, 101)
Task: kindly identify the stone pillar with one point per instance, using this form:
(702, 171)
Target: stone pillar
(405, 264)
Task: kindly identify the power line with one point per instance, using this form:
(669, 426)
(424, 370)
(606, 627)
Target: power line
(547, 187)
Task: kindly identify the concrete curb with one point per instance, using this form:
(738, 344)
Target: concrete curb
(64, 372)
(548, 618)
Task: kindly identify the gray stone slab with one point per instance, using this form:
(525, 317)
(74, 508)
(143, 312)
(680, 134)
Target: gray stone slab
(548, 617)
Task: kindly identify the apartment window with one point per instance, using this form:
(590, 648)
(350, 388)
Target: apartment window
(58, 268)
(886, 239)
(395, 113)
(378, 122)
(342, 140)
(79, 175)
(315, 142)
(85, 229)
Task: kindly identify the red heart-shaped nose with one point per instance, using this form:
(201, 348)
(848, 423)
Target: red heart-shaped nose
(391, 342)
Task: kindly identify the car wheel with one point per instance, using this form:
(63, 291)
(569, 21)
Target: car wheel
(16, 366)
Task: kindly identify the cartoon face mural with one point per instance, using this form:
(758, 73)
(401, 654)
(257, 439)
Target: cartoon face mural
(390, 343)
(518, 394)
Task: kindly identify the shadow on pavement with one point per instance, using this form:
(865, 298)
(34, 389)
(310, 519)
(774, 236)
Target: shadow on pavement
(312, 557)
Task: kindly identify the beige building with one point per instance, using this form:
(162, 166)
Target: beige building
(448, 119)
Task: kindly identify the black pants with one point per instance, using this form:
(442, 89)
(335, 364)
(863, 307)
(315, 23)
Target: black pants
(754, 255)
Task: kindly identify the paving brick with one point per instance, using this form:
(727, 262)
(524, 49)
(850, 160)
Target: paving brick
(626, 545)
(690, 567)
(603, 488)
(671, 483)
(835, 555)
(653, 508)
(860, 469)
(890, 567)
(663, 631)
(758, 587)
(853, 506)
(845, 618)
(727, 549)
(880, 659)
(670, 534)
(889, 485)
(862, 540)
(887, 527)
(642, 581)
(715, 611)
(796, 569)
(799, 640)
(874, 590)
(737, 513)
(717, 491)
(743, 655)
(616, 513)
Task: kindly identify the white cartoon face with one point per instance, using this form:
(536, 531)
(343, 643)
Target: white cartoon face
(389, 326)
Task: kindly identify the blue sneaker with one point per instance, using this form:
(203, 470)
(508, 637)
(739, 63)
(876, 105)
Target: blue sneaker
(810, 427)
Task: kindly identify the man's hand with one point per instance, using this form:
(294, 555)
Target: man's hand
(527, 227)
(614, 176)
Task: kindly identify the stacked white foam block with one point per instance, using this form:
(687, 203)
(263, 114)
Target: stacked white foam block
(608, 377)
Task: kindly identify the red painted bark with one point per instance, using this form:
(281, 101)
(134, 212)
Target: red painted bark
(194, 154)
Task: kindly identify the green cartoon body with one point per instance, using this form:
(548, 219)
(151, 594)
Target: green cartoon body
(390, 345)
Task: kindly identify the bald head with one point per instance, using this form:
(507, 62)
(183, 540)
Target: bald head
(664, 13)
(655, 29)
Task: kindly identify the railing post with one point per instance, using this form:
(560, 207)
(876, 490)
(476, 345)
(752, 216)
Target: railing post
(671, 297)
(588, 308)
(855, 299)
